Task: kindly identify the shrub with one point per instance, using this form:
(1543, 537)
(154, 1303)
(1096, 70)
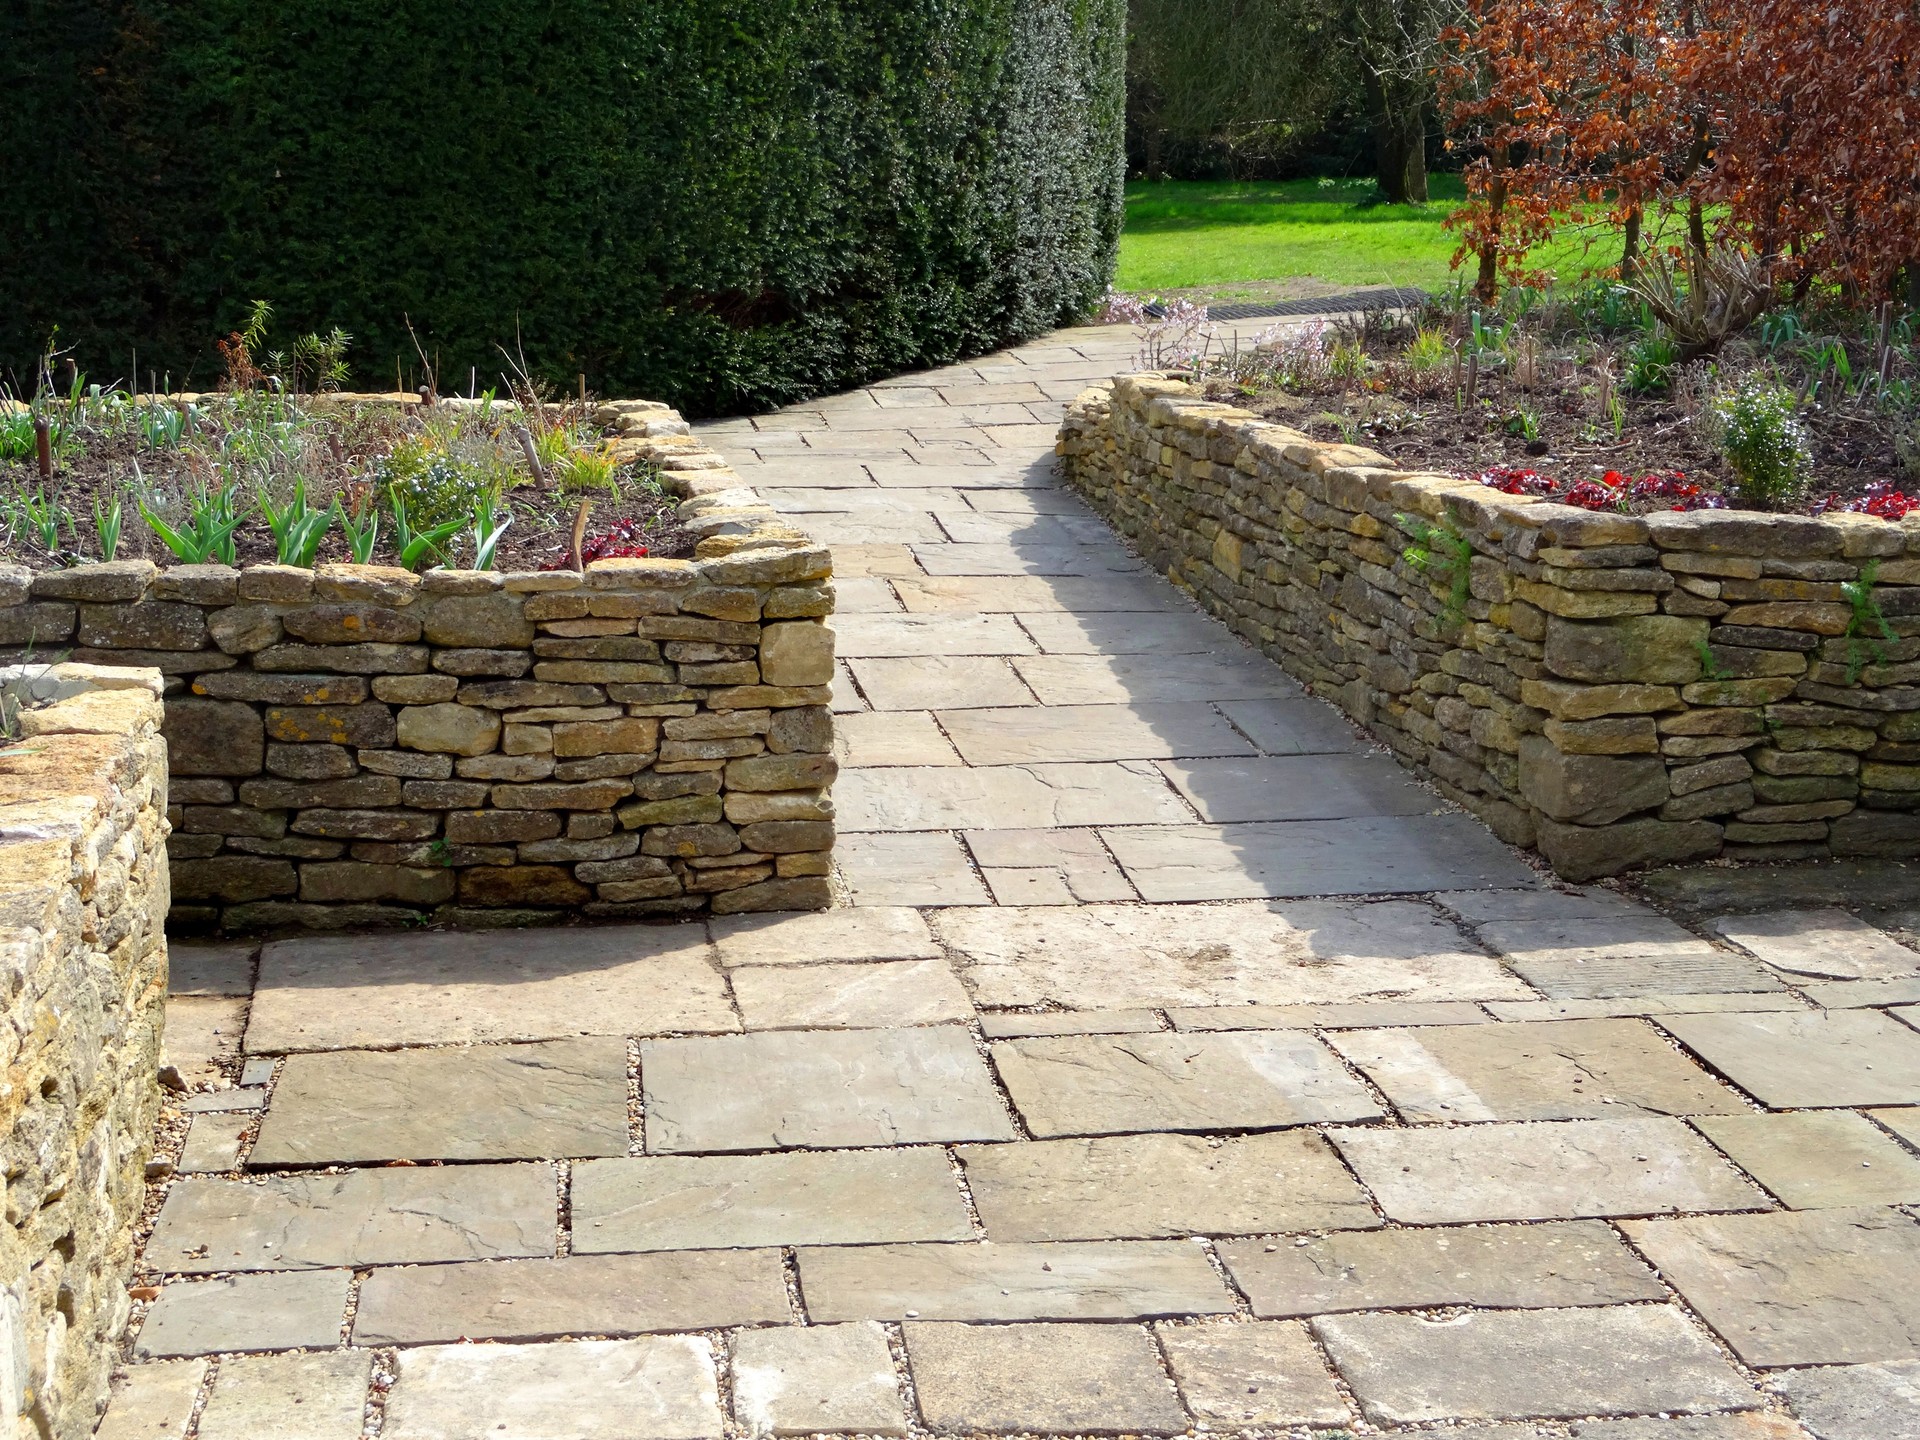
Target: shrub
(1763, 440)
(722, 205)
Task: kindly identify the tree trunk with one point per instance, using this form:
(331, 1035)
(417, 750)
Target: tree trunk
(1486, 285)
(1398, 119)
(1156, 170)
(1630, 246)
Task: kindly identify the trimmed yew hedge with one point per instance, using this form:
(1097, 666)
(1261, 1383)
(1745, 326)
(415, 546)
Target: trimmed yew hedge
(719, 203)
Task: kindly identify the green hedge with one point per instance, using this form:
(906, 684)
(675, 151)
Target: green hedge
(724, 203)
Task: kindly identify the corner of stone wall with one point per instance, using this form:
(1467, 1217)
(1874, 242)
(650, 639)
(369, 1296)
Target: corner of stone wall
(1611, 689)
(83, 900)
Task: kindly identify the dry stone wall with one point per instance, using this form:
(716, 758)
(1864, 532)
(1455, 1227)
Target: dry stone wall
(83, 901)
(1615, 690)
(358, 745)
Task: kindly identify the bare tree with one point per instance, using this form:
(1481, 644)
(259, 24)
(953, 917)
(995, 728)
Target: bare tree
(1395, 47)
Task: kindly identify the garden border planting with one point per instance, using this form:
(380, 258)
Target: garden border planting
(360, 745)
(83, 882)
(1614, 690)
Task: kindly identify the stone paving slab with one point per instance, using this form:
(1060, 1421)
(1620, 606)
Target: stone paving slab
(1818, 1160)
(1493, 1365)
(363, 1217)
(1298, 787)
(213, 1142)
(1622, 956)
(818, 1090)
(1795, 1060)
(863, 995)
(489, 1102)
(1369, 856)
(1355, 1015)
(887, 738)
(202, 1034)
(299, 1309)
(1147, 1186)
(1804, 1287)
(1014, 1024)
(1294, 727)
(1856, 1402)
(876, 933)
(200, 969)
(661, 1386)
(1140, 679)
(578, 1295)
(1096, 632)
(1740, 1425)
(1076, 596)
(1241, 1080)
(1018, 557)
(940, 682)
(1109, 1280)
(154, 1402)
(1571, 1170)
(1020, 736)
(1048, 867)
(1558, 1070)
(1860, 994)
(1265, 1373)
(1548, 1266)
(824, 1378)
(1826, 944)
(800, 1198)
(905, 868)
(863, 636)
(289, 1397)
(1007, 797)
(1095, 957)
(1068, 1379)
(426, 988)
(1621, 1007)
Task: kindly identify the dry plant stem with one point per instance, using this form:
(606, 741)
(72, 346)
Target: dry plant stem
(43, 446)
(580, 535)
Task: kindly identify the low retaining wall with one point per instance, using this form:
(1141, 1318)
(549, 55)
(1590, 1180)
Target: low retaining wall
(360, 746)
(83, 952)
(1615, 690)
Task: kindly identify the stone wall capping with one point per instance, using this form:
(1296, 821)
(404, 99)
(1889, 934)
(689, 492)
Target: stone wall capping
(359, 744)
(1596, 685)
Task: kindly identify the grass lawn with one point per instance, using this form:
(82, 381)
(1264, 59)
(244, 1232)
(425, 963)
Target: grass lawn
(1217, 235)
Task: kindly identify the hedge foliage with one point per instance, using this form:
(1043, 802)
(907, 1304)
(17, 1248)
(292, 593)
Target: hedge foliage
(723, 203)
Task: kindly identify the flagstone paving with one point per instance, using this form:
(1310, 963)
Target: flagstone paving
(1177, 1064)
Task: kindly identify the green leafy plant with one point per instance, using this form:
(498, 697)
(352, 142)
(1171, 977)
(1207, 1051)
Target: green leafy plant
(160, 427)
(41, 515)
(414, 546)
(1524, 423)
(1867, 624)
(361, 525)
(1428, 351)
(212, 517)
(587, 470)
(297, 527)
(1651, 361)
(1346, 360)
(1762, 437)
(487, 528)
(16, 435)
(1441, 551)
(1710, 668)
(437, 484)
(106, 527)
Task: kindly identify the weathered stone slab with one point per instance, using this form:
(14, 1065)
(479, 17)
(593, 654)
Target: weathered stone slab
(867, 994)
(940, 682)
(822, 1378)
(1825, 944)
(1590, 902)
(867, 636)
(1626, 1005)
(1298, 787)
(1358, 1014)
(1558, 1070)
(908, 869)
(210, 969)
(1856, 1402)
(1145, 1186)
(1266, 1373)
(1803, 1287)
(213, 1142)
(1492, 1365)
(1067, 1379)
(1241, 1080)
(717, 1201)
(1604, 957)
(1138, 679)
(492, 1102)
(1013, 1024)
(1076, 595)
(290, 1397)
(154, 1402)
(1006, 797)
(1096, 957)
(293, 1311)
(1498, 1267)
(364, 1217)
(1020, 736)
(1111, 1280)
(873, 933)
(1802, 1059)
(579, 1295)
(340, 992)
(1294, 727)
(1818, 1160)
(818, 1090)
(1367, 856)
(889, 738)
(1094, 632)
(660, 1386)
(1567, 1171)
(202, 1034)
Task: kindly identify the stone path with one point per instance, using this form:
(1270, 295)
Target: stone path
(1179, 1065)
